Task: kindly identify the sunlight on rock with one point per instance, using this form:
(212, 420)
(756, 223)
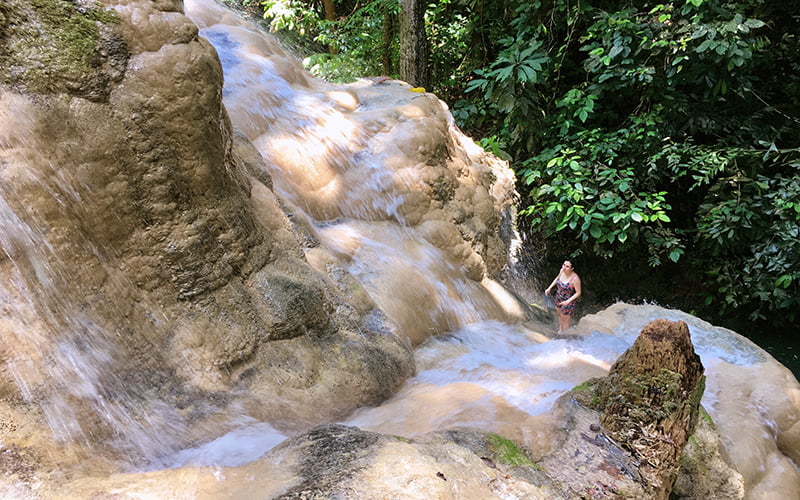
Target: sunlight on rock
(214, 265)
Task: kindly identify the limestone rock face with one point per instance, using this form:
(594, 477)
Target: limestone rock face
(151, 281)
(705, 470)
(54, 46)
(335, 461)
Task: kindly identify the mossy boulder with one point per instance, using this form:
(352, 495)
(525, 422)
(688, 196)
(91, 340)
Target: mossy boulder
(632, 425)
(650, 399)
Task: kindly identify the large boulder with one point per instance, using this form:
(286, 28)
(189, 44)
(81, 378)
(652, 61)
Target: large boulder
(752, 400)
(626, 431)
(152, 282)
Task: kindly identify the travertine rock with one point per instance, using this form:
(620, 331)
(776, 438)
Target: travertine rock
(148, 271)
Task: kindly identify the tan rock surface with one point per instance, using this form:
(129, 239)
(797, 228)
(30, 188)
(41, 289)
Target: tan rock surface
(147, 268)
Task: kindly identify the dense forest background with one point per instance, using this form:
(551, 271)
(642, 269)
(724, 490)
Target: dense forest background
(655, 144)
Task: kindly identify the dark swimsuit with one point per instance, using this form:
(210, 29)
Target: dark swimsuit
(563, 292)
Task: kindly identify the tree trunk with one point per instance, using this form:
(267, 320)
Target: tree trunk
(387, 42)
(413, 43)
(330, 15)
(330, 10)
(652, 400)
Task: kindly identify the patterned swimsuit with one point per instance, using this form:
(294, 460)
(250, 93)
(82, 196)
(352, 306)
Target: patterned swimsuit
(563, 292)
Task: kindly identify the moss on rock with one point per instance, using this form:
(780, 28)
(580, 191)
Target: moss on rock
(51, 46)
(507, 452)
(650, 401)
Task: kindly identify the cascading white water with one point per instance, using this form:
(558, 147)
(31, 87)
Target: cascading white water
(56, 344)
(79, 369)
(336, 153)
(348, 159)
(328, 156)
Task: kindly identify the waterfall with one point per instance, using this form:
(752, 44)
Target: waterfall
(187, 370)
(348, 158)
(490, 371)
(60, 352)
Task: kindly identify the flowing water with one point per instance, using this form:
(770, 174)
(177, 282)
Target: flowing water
(487, 369)
(494, 376)
(480, 361)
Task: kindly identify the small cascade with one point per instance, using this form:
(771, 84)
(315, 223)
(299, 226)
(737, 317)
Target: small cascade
(489, 375)
(65, 360)
(192, 368)
(56, 339)
(352, 159)
(497, 376)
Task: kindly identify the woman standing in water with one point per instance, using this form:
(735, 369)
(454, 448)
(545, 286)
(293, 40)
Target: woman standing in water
(568, 289)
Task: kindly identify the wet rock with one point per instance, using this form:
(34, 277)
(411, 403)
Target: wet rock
(624, 434)
(705, 470)
(55, 46)
(651, 396)
(335, 461)
(754, 400)
(145, 263)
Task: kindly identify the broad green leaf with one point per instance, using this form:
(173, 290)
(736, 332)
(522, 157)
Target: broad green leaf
(707, 44)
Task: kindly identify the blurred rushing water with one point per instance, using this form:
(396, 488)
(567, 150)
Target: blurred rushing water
(494, 376)
(481, 361)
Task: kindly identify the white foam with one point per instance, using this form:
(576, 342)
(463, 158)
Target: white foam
(238, 447)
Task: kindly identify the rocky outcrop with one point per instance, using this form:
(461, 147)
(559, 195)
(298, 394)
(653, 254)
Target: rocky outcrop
(626, 431)
(650, 400)
(335, 461)
(152, 283)
(155, 290)
(392, 185)
(55, 46)
(754, 401)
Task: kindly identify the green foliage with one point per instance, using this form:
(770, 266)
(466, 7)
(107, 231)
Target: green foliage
(290, 15)
(341, 50)
(748, 233)
(659, 135)
(659, 146)
(449, 42)
(507, 86)
(641, 131)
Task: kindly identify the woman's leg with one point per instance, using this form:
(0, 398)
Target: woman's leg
(563, 321)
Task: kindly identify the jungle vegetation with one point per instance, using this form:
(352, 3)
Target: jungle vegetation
(655, 144)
